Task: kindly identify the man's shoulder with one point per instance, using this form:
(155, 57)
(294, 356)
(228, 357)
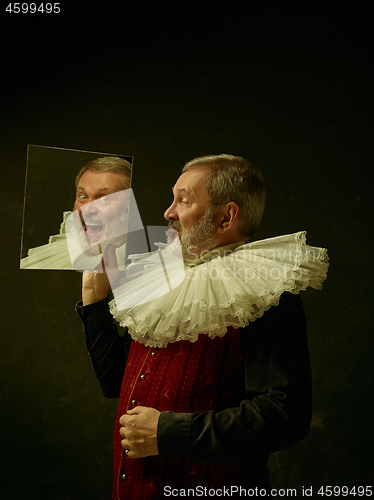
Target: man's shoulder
(287, 314)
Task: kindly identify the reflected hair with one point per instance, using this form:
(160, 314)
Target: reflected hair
(232, 178)
(109, 164)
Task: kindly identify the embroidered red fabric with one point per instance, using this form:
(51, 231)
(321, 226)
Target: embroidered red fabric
(182, 377)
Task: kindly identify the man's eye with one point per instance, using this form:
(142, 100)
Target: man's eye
(82, 197)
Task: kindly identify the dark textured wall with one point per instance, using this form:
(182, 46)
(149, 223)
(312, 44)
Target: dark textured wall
(283, 84)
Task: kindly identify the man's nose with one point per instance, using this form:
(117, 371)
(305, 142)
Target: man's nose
(171, 213)
(89, 208)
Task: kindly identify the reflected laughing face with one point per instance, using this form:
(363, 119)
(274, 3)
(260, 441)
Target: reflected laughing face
(102, 205)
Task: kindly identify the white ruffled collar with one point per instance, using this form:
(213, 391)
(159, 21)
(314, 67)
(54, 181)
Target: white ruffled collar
(216, 252)
(64, 251)
(229, 286)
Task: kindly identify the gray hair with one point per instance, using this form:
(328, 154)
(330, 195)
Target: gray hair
(232, 178)
(109, 164)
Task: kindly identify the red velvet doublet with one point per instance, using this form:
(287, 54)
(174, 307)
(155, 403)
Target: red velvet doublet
(182, 377)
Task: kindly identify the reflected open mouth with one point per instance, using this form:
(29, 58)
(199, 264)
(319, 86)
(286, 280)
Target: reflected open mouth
(91, 226)
(93, 229)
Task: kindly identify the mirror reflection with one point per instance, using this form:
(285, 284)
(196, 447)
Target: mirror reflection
(96, 189)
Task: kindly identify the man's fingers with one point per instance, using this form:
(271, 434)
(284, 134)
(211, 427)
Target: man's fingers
(139, 425)
(134, 411)
(110, 264)
(109, 257)
(123, 420)
(129, 415)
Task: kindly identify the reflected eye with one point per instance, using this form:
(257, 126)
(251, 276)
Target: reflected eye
(104, 200)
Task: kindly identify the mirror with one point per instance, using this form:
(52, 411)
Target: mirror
(78, 206)
(51, 205)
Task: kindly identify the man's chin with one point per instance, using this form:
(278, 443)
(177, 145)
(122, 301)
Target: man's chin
(172, 234)
(93, 250)
(88, 244)
(98, 247)
(192, 252)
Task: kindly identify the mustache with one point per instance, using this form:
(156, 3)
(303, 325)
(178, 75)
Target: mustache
(175, 225)
(91, 219)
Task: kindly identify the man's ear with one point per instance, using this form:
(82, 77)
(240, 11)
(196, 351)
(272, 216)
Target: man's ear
(228, 217)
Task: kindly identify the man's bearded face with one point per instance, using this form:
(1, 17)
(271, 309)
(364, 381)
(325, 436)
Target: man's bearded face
(103, 222)
(101, 211)
(198, 238)
(191, 214)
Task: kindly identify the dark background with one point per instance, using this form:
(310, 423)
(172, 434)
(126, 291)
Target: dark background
(284, 84)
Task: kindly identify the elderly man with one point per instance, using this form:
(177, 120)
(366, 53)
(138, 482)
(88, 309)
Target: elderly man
(101, 205)
(201, 410)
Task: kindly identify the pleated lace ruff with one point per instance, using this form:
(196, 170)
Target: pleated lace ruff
(228, 290)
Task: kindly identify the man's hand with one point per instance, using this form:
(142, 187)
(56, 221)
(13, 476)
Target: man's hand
(139, 430)
(96, 285)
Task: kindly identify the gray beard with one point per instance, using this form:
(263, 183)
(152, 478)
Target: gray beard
(198, 238)
(99, 248)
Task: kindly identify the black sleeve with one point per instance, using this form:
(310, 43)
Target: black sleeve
(107, 350)
(277, 411)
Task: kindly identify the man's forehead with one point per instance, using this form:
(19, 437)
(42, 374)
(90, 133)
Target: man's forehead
(185, 190)
(100, 181)
(181, 190)
(190, 182)
(102, 189)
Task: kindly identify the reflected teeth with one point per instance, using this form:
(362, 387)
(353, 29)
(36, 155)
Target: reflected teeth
(94, 229)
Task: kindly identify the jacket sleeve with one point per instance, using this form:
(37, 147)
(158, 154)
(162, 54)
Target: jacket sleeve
(277, 410)
(107, 350)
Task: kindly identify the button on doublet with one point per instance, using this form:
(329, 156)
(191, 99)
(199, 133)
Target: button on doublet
(133, 402)
(124, 476)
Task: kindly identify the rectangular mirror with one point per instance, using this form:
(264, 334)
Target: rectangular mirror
(51, 196)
